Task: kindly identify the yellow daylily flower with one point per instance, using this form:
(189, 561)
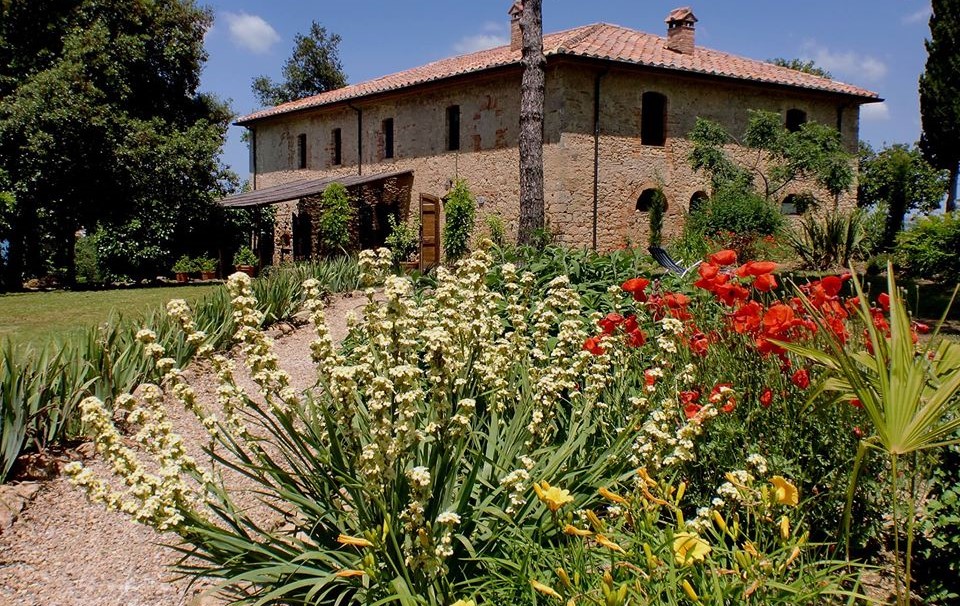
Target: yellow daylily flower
(688, 548)
(552, 497)
(786, 493)
(784, 528)
(612, 496)
(545, 589)
(608, 543)
(348, 572)
(690, 591)
(464, 603)
(573, 531)
(354, 541)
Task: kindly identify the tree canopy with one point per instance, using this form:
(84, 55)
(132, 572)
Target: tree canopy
(807, 67)
(776, 157)
(102, 125)
(899, 177)
(940, 93)
(313, 68)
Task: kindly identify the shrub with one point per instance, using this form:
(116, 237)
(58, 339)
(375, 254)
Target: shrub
(496, 230)
(460, 208)
(184, 265)
(928, 249)
(939, 540)
(736, 217)
(404, 239)
(333, 223)
(824, 242)
(245, 256)
(206, 264)
(658, 208)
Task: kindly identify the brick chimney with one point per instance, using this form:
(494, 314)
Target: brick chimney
(680, 30)
(516, 38)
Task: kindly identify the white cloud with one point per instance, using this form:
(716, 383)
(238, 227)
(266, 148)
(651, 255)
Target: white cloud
(847, 64)
(490, 35)
(875, 112)
(921, 16)
(251, 32)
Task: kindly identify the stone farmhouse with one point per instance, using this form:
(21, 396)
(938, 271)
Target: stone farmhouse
(618, 106)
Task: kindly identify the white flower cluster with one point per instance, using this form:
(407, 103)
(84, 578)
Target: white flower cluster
(664, 440)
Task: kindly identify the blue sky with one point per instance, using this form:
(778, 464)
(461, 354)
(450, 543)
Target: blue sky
(876, 44)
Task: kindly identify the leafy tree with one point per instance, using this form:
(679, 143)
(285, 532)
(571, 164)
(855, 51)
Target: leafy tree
(940, 94)
(899, 177)
(101, 124)
(460, 209)
(807, 67)
(775, 156)
(532, 89)
(314, 67)
(333, 222)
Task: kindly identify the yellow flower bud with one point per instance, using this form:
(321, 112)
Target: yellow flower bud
(691, 593)
(563, 577)
(545, 589)
(719, 521)
(784, 528)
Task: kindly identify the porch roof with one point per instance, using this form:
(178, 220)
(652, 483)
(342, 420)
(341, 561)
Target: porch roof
(301, 189)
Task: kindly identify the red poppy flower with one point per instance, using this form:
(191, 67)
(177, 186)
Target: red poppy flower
(801, 378)
(884, 300)
(756, 268)
(729, 406)
(921, 328)
(691, 410)
(723, 257)
(832, 285)
(636, 338)
(609, 323)
(630, 324)
(649, 378)
(689, 397)
(699, 344)
(856, 403)
(708, 271)
(765, 283)
(593, 346)
(766, 398)
(636, 287)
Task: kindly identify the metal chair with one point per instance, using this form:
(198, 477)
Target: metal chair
(666, 261)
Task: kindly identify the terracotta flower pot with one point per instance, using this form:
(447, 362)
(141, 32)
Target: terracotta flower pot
(183, 277)
(208, 275)
(250, 270)
(409, 266)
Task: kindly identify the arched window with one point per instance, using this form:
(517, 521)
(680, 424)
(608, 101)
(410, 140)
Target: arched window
(697, 200)
(797, 204)
(653, 119)
(650, 197)
(795, 119)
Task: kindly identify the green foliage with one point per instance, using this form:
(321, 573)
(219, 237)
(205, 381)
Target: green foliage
(874, 228)
(939, 91)
(899, 178)
(41, 388)
(938, 546)
(829, 241)
(929, 248)
(779, 157)
(245, 256)
(460, 208)
(184, 265)
(101, 124)
(313, 67)
(334, 220)
(496, 230)
(88, 262)
(807, 67)
(206, 264)
(658, 208)
(404, 239)
(734, 216)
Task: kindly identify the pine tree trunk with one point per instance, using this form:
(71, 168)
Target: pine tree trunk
(952, 191)
(531, 122)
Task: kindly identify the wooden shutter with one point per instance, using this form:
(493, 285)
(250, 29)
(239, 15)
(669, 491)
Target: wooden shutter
(429, 231)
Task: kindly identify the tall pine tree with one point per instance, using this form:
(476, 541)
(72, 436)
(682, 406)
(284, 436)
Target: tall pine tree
(313, 68)
(940, 94)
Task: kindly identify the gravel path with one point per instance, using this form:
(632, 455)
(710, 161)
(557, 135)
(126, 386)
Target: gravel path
(64, 551)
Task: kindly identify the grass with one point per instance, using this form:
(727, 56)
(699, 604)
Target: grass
(37, 318)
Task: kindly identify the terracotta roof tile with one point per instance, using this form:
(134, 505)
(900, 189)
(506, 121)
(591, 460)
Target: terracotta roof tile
(600, 41)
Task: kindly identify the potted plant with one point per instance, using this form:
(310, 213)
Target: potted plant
(207, 267)
(404, 242)
(183, 267)
(245, 261)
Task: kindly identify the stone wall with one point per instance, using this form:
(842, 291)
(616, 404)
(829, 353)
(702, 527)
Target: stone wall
(489, 161)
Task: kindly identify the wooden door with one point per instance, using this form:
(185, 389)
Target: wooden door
(429, 231)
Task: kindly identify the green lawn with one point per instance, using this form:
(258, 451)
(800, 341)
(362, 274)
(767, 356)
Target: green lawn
(39, 317)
